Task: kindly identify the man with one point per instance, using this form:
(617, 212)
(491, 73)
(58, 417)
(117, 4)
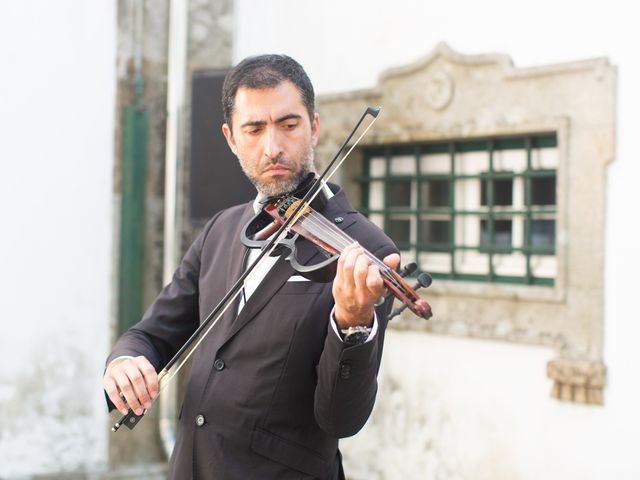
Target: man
(292, 368)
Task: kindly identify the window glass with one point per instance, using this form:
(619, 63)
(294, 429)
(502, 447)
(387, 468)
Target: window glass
(502, 192)
(467, 230)
(435, 163)
(377, 167)
(467, 194)
(544, 158)
(543, 190)
(400, 231)
(472, 163)
(543, 233)
(511, 160)
(434, 193)
(376, 195)
(399, 193)
(435, 231)
(501, 233)
(403, 165)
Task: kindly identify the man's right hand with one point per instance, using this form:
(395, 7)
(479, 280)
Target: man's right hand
(134, 378)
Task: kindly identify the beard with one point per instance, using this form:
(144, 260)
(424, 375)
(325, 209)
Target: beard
(299, 167)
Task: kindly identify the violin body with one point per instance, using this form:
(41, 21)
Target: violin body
(330, 241)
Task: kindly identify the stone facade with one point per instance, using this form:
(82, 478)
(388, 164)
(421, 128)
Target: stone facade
(447, 95)
(210, 46)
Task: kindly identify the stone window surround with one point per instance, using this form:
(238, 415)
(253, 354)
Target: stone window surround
(447, 96)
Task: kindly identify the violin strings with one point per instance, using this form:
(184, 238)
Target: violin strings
(316, 221)
(319, 226)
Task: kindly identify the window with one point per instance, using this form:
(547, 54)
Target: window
(469, 210)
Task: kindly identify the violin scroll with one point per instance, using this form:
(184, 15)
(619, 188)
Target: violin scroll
(420, 307)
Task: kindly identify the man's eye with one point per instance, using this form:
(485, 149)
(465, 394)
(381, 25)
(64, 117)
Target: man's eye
(290, 126)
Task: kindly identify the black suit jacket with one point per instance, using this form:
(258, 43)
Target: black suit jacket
(275, 385)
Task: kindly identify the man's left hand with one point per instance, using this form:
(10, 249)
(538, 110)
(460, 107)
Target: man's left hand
(357, 286)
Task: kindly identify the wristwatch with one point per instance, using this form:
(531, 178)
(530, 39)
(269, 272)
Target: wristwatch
(355, 335)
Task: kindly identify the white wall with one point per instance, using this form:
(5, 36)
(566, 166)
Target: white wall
(57, 97)
(345, 45)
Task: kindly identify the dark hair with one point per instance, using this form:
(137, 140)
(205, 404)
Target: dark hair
(266, 71)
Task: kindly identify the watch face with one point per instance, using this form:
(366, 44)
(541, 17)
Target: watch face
(356, 338)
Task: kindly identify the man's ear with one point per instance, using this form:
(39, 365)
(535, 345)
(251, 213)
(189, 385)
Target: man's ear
(315, 129)
(226, 131)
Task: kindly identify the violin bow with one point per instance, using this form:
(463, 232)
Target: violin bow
(131, 419)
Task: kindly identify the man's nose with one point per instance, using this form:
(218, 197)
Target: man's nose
(272, 145)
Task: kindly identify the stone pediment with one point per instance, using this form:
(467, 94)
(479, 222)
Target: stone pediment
(437, 74)
(449, 94)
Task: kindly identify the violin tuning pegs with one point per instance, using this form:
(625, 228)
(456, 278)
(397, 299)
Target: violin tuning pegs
(408, 269)
(424, 280)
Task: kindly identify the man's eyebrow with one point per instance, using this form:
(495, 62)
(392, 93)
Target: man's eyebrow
(288, 116)
(260, 123)
(253, 123)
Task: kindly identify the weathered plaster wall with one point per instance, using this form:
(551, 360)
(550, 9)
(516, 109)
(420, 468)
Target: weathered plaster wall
(450, 408)
(56, 123)
(141, 37)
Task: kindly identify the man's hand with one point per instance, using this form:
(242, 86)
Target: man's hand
(136, 379)
(357, 286)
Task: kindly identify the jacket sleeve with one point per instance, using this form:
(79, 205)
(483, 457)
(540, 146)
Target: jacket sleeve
(171, 318)
(347, 384)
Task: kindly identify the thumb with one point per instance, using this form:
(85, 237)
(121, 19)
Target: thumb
(392, 260)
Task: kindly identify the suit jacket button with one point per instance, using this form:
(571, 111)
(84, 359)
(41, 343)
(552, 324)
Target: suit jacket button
(218, 364)
(200, 420)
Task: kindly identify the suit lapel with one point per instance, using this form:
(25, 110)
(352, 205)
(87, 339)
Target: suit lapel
(237, 250)
(272, 282)
(235, 267)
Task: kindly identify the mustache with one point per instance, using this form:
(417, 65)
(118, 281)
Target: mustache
(279, 160)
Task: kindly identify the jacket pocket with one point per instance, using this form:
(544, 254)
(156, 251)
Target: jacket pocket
(301, 288)
(290, 454)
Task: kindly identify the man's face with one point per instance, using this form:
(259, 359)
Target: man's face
(272, 137)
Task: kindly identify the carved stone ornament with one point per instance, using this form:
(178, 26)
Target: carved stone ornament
(577, 381)
(439, 91)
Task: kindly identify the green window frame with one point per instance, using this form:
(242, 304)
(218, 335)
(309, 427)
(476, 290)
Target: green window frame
(424, 211)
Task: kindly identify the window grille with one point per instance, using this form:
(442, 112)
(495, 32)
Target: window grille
(481, 210)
